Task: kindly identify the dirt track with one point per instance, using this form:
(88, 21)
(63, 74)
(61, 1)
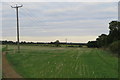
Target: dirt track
(7, 70)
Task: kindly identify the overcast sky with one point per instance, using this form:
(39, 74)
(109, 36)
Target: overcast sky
(50, 21)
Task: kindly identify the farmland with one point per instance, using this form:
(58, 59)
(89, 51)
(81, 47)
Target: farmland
(0, 61)
(62, 62)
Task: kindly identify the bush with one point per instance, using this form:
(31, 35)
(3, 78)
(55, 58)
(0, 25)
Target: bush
(115, 47)
(92, 44)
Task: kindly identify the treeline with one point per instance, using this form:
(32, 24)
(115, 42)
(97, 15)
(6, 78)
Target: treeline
(56, 43)
(110, 41)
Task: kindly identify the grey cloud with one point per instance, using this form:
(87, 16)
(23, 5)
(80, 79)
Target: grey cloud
(60, 19)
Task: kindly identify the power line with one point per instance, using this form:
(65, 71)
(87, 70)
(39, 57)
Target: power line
(26, 12)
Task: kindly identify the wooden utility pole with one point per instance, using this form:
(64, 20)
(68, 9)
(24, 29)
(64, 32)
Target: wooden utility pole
(18, 44)
(66, 42)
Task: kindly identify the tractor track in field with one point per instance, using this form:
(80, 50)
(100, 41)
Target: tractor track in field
(7, 69)
(103, 59)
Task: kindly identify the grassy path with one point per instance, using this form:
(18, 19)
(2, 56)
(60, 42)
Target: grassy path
(8, 71)
(49, 62)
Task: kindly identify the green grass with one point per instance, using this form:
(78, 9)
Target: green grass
(0, 61)
(52, 62)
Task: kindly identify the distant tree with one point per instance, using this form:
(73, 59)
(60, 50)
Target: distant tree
(102, 40)
(8, 42)
(114, 33)
(92, 44)
(57, 43)
(111, 41)
(23, 42)
(114, 25)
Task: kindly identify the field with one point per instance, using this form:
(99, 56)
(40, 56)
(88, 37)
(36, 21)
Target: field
(0, 61)
(62, 62)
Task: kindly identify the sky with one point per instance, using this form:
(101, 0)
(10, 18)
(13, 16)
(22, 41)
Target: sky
(50, 21)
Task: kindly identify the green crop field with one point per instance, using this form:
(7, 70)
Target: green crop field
(0, 61)
(61, 62)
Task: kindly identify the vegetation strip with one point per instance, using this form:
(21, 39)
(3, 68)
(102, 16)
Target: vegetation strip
(8, 71)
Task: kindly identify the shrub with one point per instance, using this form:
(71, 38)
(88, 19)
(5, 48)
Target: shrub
(92, 44)
(80, 45)
(115, 47)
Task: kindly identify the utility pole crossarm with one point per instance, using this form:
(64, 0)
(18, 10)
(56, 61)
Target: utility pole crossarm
(17, 6)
